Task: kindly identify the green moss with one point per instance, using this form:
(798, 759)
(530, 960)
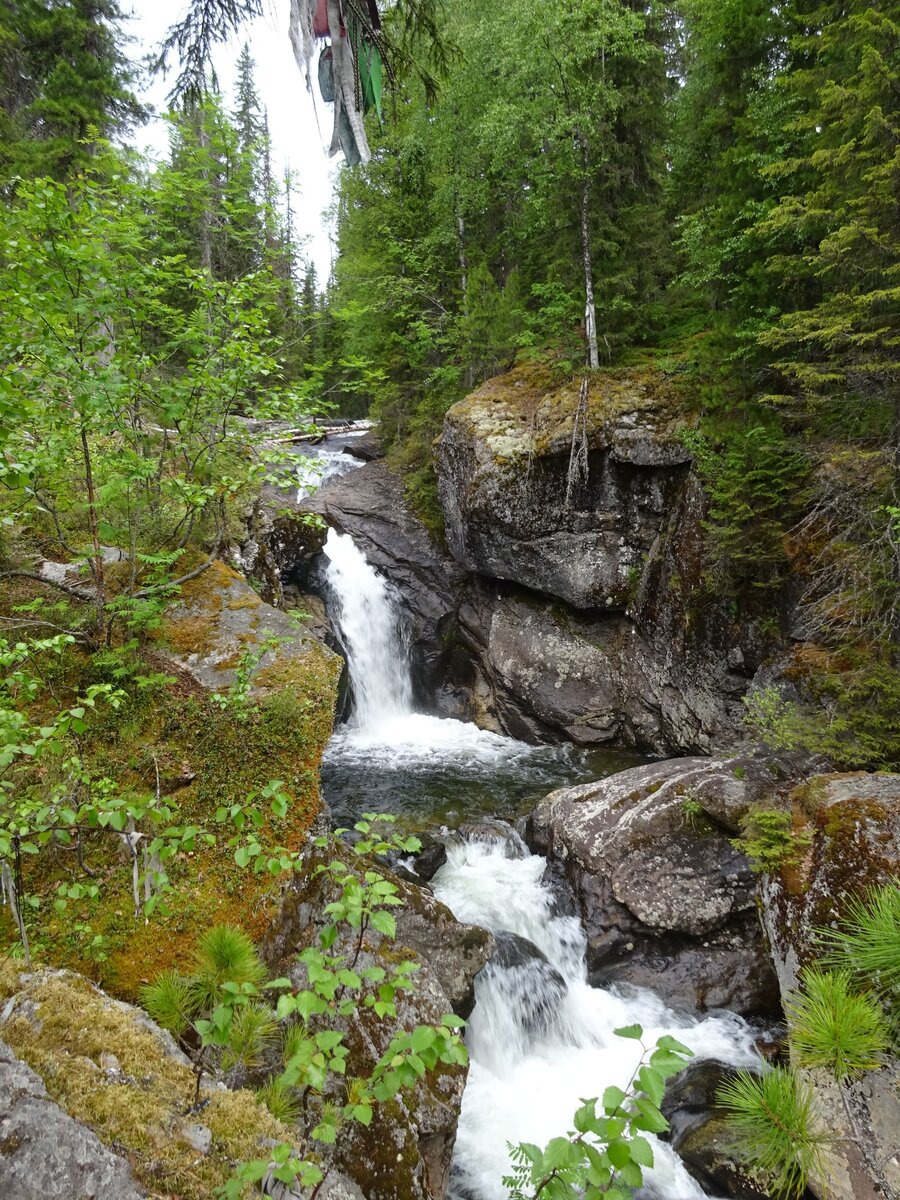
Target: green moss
(139, 1112)
(180, 734)
(527, 413)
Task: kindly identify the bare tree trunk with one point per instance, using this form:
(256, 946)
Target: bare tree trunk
(14, 900)
(97, 563)
(590, 311)
(463, 260)
(205, 212)
(464, 282)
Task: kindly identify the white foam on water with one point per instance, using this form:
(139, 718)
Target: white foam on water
(384, 729)
(541, 1039)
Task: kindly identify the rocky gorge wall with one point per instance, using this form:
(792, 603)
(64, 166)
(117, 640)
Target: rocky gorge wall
(568, 601)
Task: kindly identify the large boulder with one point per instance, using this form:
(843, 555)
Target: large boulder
(405, 1153)
(97, 1101)
(668, 902)
(853, 822)
(540, 672)
(279, 543)
(219, 621)
(516, 510)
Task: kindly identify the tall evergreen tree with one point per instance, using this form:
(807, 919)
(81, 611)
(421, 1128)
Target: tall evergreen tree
(64, 78)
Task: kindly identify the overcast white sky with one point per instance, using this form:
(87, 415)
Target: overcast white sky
(296, 140)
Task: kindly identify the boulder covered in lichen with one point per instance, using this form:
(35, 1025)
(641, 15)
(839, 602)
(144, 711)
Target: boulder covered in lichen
(561, 489)
(848, 844)
(44, 1153)
(667, 899)
(116, 1096)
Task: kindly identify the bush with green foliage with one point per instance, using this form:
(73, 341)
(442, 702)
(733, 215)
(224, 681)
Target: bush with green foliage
(221, 1014)
(841, 1020)
(606, 1153)
(770, 840)
(867, 944)
(833, 1026)
(774, 1129)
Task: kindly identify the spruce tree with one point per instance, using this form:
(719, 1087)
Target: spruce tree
(64, 79)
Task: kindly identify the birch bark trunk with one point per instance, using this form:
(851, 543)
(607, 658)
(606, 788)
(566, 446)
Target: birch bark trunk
(590, 310)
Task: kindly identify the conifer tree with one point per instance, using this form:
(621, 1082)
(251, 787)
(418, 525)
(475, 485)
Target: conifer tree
(64, 79)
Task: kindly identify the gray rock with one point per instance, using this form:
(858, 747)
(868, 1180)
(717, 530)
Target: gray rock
(503, 464)
(218, 618)
(198, 1137)
(406, 1151)
(279, 544)
(667, 901)
(44, 1153)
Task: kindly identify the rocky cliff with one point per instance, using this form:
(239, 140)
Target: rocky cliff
(569, 600)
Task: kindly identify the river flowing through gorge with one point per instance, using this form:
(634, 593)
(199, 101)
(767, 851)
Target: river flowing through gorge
(541, 1040)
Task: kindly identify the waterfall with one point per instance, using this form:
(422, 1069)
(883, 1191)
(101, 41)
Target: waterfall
(540, 1038)
(369, 618)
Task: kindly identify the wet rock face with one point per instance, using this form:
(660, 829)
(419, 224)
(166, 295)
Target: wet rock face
(514, 511)
(280, 543)
(544, 672)
(666, 899)
(44, 1153)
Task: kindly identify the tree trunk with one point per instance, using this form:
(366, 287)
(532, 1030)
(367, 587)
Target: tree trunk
(590, 311)
(205, 213)
(97, 562)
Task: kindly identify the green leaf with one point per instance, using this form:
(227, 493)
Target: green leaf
(641, 1151)
(613, 1098)
(630, 1031)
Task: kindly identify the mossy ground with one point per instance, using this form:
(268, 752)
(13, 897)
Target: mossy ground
(138, 1111)
(528, 411)
(172, 738)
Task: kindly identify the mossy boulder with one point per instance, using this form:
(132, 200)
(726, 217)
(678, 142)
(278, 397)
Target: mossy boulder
(852, 822)
(44, 1154)
(108, 1067)
(219, 620)
(515, 507)
(171, 743)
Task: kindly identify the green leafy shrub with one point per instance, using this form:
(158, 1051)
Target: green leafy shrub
(606, 1153)
(770, 841)
(868, 946)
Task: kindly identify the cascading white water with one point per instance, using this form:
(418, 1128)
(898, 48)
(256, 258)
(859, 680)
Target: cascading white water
(368, 617)
(540, 1038)
(384, 728)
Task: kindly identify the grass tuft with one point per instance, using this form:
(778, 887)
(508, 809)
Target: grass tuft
(833, 1026)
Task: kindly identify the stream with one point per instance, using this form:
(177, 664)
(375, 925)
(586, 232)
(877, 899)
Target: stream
(540, 1038)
